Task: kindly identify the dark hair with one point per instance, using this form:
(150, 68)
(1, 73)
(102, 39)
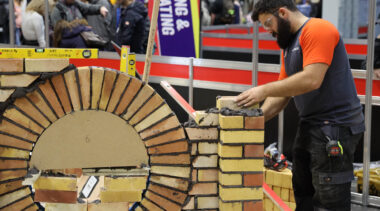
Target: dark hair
(271, 6)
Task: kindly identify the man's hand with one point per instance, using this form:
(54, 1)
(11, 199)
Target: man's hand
(103, 11)
(251, 96)
(377, 73)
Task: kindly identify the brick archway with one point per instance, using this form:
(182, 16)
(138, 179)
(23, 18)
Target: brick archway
(72, 90)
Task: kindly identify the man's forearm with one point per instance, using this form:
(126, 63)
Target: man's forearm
(273, 105)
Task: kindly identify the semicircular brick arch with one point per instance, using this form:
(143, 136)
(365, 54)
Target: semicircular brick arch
(90, 88)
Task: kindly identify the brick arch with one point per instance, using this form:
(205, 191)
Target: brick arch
(90, 88)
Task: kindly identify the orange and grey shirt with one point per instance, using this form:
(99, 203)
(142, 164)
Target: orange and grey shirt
(336, 101)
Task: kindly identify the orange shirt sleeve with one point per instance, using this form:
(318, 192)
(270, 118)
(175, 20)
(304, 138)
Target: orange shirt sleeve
(318, 41)
(282, 70)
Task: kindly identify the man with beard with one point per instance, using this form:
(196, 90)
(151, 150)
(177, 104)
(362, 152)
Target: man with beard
(315, 71)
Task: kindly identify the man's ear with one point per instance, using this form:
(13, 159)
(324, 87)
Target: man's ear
(283, 12)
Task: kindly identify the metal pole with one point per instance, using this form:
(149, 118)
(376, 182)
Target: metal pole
(46, 16)
(191, 81)
(255, 51)
(281, 125)
(368, 101)
(11, 23)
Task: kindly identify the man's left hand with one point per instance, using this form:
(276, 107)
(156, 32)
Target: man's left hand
(251, 96)
(103, 11)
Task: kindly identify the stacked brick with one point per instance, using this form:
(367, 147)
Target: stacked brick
(241, 150)
(281, 184)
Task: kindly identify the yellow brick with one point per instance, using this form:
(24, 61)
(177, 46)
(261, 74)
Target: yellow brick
(287, 179)
(230, 179)
(291, 196)
(206, 119)
(243, 165)
(240, 194)
(154, 117)
(278, 177)
(45, 65)
(268, 204)
(230, 206)
(190, 204)
(65, 207)
(56, 183)
(231, 122)
(13, 153)
(120, 196)
(269, 177)
(208, 175)
(292, 205)
(108, 206)
(207, 148)
(183, 172)
(277, 190)
(208, 202)
(285, 194)
(139, 209)
(230, 151)
(13, 196)
(229, 102)
(5, 94)
(206, 161)
(125, 183)
(22, 80)
(243, 136)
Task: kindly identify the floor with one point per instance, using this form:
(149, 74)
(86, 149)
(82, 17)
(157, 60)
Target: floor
(356, 207)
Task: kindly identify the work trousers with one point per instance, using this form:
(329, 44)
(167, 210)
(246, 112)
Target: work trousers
(322, 182)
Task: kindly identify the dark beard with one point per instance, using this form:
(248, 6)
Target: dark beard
(284, 36)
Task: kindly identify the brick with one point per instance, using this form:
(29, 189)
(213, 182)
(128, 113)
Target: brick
(168, 193)
(179, 184)
(226, 151)
(229, 102)
(14, 142)
(164, 203)
(37, 99)
(230, 206)
(292, 205)
(204, 189)
(207, 148)
(30, 110)
(16, 116)
(13, 164)
(202, 133)
(269, 177)
(56, 183)
(51, 97)
(240, 194)
(208, 175)
(284, 195)
(5, 94)
(146, 109)
(150, 206)
(21, 80)
(253, 205)
(291, 196)
(230, 179)
(176, 147)
(183, 172)
(254, 122)
(96, 84)
(73, 171)
(6, 152)
(145, 92)
(10, 186)
(121, 83)
(109, 81)
(254, 150)
(268, 204)
(194, 176)
(72, 86)
(120, 196)
(108, 206)
(231, 122)
(62, 92)
(241, 165)
(242, 136)
(139, 209)
(14, 196)
(208, 202)
(166, 137)
(251, 180)
(206, 119)
(206, 161)
(45, 65)
(277, 190)
(33, 207)
(194, 148)
(11, 65)
(55, 196)
(65, 207)
(132, 89)
(12, 129)
(124, 183)
(170, 159)
(85, 86)
(287, 179)
(19, 205)
(166, 124)
(190, 205)
(154, 117)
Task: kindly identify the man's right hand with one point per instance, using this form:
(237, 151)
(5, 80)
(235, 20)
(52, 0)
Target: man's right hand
(103, 11)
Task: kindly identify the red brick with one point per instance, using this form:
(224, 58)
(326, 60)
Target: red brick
(164, 203)
(120, 85)
(85, 86)
(133, 87)
(51, 97)
(37, 99)
(109, 80)
(170, 159)
(146, 109)
(14, 142)
(253, 205)
(11, 65)
(72, 86)
(55, 196)
(166, 137)
(12, 129)
(254, 122)
(96, 84)
(251, 180)
(20, 205)
(14, 174)
(176, 147)
(169, 193)
(60, 87)
(254, 150)
(10, 186)
(16, 116)
(22, 80)
(13, 164)
(149, 205)
(166, 124)
(204, 189)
